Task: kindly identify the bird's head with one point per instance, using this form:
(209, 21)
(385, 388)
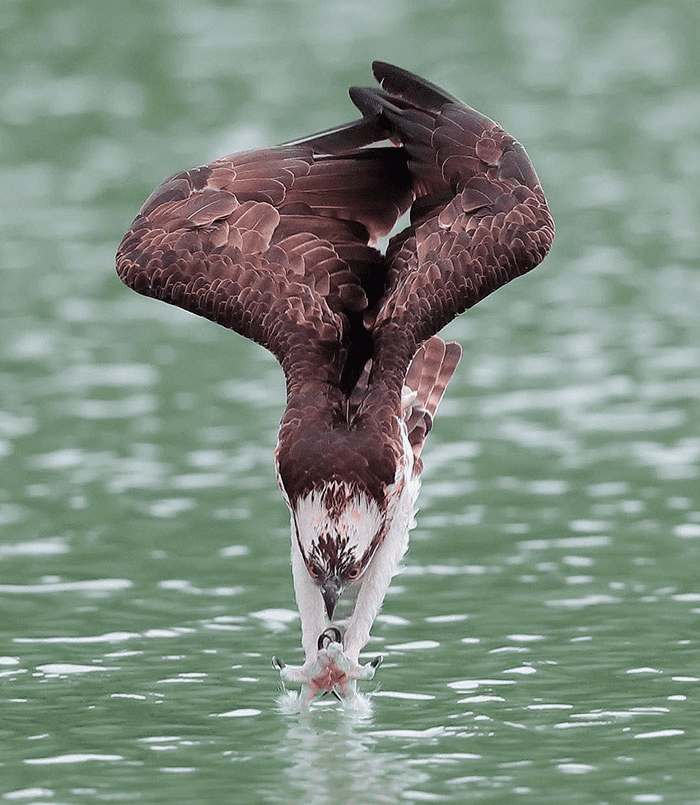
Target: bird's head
(337, 530)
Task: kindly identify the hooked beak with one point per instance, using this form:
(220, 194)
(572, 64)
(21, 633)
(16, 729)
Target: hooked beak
(331, 590)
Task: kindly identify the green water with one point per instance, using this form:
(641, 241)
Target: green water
(542, 643)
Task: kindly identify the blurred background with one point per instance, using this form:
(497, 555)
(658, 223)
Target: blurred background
(542, 642)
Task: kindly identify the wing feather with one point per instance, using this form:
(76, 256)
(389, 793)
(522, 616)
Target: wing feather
(278, 245)
(274, 243)
(480, 218)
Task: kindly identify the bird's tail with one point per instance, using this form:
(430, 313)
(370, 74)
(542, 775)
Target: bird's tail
(427, 378)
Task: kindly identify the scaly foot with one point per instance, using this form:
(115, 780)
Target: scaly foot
(332, 671)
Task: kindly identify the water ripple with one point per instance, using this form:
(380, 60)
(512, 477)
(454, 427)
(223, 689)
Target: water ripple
(88, 586)
(81, 757)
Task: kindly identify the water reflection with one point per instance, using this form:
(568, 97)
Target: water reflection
(330, 758)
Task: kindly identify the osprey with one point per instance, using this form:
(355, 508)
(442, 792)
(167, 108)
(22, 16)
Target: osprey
(278, 244)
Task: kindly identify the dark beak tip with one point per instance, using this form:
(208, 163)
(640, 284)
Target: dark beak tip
(331, 594)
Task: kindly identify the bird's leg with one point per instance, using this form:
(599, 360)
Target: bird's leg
(331, 670)
(331, 662)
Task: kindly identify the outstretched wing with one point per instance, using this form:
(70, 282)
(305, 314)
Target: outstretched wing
(274, 243)
(479, 220)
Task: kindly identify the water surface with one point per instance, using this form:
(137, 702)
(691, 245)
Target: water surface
(541, 642)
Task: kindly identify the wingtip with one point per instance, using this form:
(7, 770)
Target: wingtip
(381, 68)
(365, 100)
(397, 80)
(384, 69)
(371, 129)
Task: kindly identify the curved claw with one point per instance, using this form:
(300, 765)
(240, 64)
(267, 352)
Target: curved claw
(331, 634)
(278, 664)
(377, 661)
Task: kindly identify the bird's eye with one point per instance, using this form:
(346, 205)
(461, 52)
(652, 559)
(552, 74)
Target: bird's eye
(314, 571)
(354, 572)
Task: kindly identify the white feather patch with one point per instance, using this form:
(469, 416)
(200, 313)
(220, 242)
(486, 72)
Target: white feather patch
(356, 525)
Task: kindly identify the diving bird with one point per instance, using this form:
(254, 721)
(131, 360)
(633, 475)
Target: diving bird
(279, 244)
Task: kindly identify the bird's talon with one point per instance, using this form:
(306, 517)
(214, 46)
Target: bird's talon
(331, 634)
(377, 661)
(278, 664)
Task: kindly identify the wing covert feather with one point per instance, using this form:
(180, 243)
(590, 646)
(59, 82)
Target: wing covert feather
(479, 220)
(277, 243)
(274, 243)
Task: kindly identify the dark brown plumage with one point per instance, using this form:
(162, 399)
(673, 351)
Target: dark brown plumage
(274, 244)
(278, 245)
